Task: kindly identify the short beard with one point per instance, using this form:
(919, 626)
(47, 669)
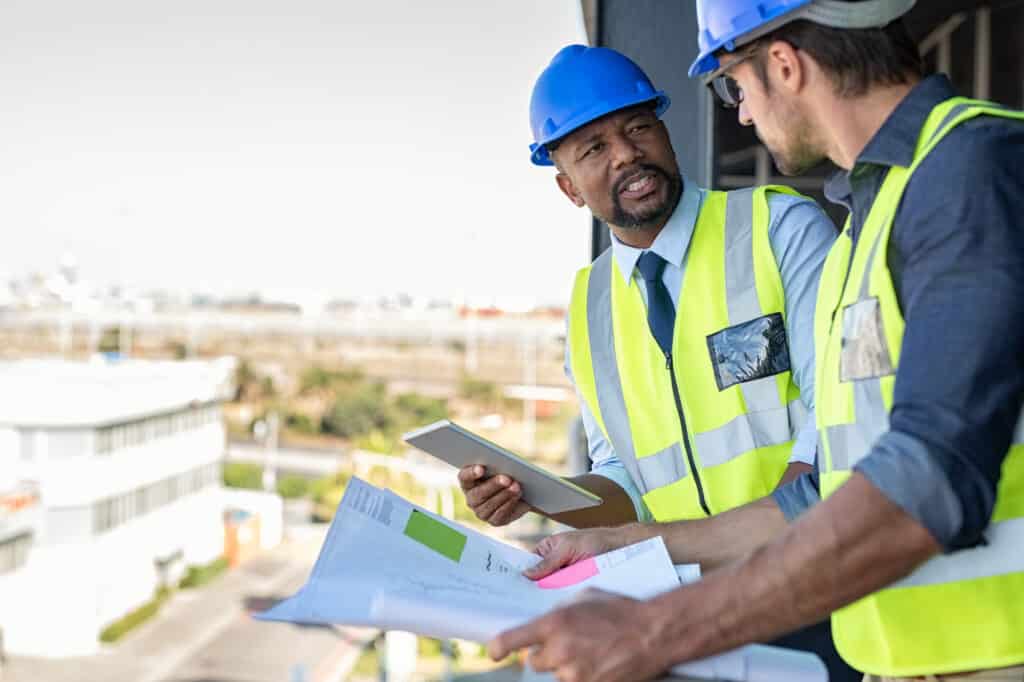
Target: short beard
(651, 217)
(802, 154)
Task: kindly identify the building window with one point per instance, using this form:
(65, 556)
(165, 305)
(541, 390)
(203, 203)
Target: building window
(112, 512)
(139, 432)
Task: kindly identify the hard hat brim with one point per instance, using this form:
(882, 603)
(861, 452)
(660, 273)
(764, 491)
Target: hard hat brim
(539, 154)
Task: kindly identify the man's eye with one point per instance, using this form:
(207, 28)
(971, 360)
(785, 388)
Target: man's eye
(639, 128)
(592, 149)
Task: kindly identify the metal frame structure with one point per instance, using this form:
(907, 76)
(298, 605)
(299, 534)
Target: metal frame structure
(975, 43)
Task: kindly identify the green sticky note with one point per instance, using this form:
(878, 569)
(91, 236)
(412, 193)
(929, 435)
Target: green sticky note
(435, 535)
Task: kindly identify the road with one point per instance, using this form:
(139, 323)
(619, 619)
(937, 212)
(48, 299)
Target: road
(209, 635)
(291, 460)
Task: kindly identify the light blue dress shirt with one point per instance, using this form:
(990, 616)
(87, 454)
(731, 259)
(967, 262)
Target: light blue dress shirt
(801, 235)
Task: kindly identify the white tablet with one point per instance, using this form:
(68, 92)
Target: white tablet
(541, 489)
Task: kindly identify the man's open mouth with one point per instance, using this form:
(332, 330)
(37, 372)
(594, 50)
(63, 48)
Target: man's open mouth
(639, 185)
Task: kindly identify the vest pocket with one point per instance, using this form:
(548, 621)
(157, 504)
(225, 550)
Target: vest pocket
(750, 350)
(865, 353)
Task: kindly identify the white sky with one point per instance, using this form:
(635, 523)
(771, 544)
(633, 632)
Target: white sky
(347, 148)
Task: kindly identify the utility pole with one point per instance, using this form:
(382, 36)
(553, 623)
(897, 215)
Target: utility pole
(267, 431)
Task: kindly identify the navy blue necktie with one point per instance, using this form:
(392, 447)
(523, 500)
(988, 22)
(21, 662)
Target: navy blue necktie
(661, 314)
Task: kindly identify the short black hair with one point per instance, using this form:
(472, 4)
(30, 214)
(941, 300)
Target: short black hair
(855, 59)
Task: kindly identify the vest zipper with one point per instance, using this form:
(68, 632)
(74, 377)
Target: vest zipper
(686, 436)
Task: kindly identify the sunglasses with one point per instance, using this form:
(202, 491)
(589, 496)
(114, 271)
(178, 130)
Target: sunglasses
(725, 86)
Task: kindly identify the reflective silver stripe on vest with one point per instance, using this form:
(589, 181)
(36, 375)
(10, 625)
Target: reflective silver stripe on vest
(740, 285)
(746, 432)
(849, 443)
(1018, 433)
(767, 422)
(607, 382)
(662, 469)
(743, 305)
(1000, 556)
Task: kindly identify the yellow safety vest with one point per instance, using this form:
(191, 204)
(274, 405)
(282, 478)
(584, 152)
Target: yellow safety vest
(713, 428)
(957, 612)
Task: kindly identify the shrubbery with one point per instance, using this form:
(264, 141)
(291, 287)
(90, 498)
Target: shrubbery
(326, 493)
(119, 628)
(292, 487)
(242, 475)
(197, 576)
(358, 410)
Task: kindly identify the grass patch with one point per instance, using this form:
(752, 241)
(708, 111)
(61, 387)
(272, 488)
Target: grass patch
(197, 576)
(119, 628)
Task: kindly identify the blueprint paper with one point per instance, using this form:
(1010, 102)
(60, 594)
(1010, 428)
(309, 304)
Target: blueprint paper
(389, 564)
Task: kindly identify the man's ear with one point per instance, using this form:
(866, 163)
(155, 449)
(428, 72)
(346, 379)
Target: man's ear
(789, 70)
(568, 188)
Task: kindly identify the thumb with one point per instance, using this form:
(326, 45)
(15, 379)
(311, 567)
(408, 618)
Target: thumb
(555, 556)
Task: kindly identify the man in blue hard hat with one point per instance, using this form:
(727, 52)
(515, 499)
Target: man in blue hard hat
(690, 339)
(911, 532)
(596, 117)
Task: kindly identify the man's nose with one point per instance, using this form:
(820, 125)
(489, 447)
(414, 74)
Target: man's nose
(625, 151)
(744, 115)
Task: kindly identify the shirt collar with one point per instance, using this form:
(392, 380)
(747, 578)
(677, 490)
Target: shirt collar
(673, 240)
(896, 141)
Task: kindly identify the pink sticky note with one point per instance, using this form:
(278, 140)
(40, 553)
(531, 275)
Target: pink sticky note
(570, 575)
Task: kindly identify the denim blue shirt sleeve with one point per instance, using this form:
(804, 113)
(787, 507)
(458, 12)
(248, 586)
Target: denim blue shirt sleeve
(801, 235)
(957, 260)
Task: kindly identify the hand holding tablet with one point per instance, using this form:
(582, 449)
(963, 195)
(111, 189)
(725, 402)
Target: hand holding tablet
(541, 489)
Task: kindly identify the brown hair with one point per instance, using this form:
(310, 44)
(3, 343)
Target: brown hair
(855, 59)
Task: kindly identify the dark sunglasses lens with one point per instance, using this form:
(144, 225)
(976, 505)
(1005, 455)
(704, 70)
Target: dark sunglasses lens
(728, 90)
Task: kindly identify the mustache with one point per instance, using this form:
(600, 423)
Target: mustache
(643, 169)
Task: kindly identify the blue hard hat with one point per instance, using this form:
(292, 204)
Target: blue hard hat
(580, 85)
(721, 22)
(727, 24)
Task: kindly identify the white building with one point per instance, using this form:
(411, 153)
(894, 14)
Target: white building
(125, 457)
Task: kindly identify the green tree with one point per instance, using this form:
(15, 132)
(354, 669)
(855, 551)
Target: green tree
(359, 410)
(416, 409)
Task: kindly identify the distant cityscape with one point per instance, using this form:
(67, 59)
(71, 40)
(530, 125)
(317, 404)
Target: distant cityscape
(64, 286)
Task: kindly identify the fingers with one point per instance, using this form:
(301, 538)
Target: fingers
(487, 510)
(556, 555)
(516, 638)
(484, 492)
(495, 500)
(469, 475)
(508, 512)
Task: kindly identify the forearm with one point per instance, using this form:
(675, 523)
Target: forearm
(851, 545)
(725, 538)
(616, 508)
